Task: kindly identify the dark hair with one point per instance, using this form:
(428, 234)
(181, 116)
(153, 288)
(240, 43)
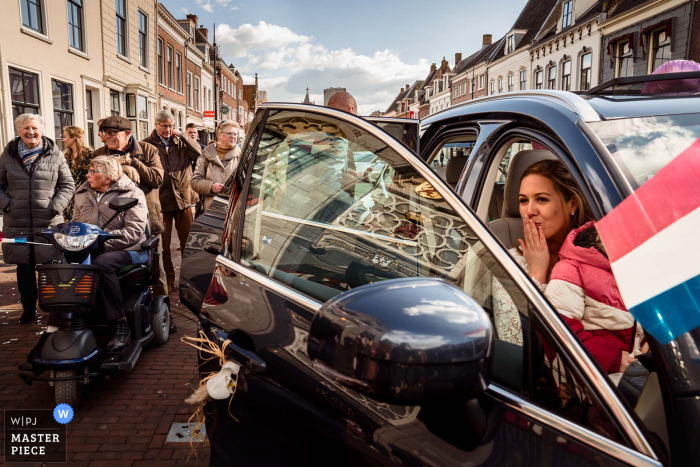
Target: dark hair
(191, 125)
(566, 186)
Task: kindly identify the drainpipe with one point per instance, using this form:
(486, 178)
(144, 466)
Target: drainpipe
(690, 28)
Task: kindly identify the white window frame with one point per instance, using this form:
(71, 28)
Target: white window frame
(563, 68)
(178, 71)
(510, 83)
(126, 30)
(196, 91)
(581, 69)
(522, 82)
(619, 58)
(44, 33)
(170, 61)
(549, 73)
(160, 52)
(83, 25)
(188, 90)
(570, 15)
(143, 60)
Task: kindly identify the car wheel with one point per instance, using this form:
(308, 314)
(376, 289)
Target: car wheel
(160, 322)
(67, 392)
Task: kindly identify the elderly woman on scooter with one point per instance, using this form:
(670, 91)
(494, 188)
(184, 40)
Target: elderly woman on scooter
(105, 182)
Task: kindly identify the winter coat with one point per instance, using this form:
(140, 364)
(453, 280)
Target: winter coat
(33, 200)
(210, 169)
(131, 223)
(176, 191)
(146, 161)
(584, 292)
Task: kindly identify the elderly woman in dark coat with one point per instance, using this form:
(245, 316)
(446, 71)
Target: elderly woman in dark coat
(35, 187)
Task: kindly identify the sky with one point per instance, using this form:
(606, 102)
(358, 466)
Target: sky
(371, 47)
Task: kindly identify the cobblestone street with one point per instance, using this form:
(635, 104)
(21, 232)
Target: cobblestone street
(121, 422)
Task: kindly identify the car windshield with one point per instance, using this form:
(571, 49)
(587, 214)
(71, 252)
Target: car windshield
(643, 146)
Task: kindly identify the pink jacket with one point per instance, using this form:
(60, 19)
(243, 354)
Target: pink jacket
(583, 290)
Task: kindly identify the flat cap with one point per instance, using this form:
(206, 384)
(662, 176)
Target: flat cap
(115, 123)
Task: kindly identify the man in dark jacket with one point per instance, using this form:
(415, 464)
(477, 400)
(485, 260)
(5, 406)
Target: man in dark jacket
(177, 199)
(141, 162)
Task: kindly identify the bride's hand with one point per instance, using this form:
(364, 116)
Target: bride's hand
(535, 250)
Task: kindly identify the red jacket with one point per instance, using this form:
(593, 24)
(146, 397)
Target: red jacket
(583, 290)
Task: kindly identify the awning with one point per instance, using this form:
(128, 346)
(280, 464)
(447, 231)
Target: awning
(668, 23)
(624, 37)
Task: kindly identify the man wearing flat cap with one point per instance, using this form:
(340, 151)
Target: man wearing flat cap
(141, 162)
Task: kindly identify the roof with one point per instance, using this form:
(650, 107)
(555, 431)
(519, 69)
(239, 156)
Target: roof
(591, 13)
(406, 94)
(307, 99)
(476, 58)
(531, 19)
(617, 7)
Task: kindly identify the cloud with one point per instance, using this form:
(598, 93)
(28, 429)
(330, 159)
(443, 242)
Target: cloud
(206, 5)
(286, 61)
(234, 8)
(184, 11)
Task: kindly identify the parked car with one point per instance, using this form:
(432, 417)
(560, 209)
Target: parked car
(360, 307)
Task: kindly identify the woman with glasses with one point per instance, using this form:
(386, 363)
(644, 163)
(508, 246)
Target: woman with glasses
(216, 164)
(35, 188)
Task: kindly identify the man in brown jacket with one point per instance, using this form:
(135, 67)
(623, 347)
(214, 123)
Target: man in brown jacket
(141, 162)
(177, 199)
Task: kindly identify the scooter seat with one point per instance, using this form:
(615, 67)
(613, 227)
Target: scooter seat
(131, 274)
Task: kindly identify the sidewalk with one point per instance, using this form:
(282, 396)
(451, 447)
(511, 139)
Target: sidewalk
(124, 421)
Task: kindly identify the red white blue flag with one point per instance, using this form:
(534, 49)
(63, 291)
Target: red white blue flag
(653, 241)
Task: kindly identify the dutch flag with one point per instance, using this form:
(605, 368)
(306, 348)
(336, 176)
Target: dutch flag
(653, 241)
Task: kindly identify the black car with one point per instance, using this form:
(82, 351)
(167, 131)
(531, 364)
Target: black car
(359, 303)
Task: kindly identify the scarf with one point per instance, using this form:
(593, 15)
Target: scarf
(27, 155)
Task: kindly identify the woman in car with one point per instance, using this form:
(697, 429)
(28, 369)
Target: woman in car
(216, 164)
(551, 206)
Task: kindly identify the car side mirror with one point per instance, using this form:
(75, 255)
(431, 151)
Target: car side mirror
(404, 340)
(123, 204)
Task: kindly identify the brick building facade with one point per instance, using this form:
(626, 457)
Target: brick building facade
(170, 66)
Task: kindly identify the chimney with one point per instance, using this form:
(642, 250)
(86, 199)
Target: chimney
(401, 90)
(487, 39)
(205, 32)
(432, 68)
(458, 58)
(193, 18)
(408, 87)
(443, 65)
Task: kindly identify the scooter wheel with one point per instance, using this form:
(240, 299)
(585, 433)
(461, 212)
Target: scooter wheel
(67, 392)
(160, 322)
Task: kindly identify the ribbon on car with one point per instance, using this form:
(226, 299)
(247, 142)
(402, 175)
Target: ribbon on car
(218, 386)
(651, 240)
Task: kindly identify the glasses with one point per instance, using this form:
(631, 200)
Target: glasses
(111, 132)
(94, 171)
(230, 135)
(166, 126)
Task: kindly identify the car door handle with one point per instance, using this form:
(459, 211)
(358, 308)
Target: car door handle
(212, 248)
(245, 358)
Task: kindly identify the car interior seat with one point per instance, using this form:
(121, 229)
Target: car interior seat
(454, 169)
(509, 228)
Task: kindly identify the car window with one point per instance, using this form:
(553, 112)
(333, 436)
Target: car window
(450, 159)
(495, 206)
(643, 146)
(406, 133)
(321, 228)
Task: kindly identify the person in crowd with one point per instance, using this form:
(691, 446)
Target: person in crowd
(141, 163)
(78, 155)
(584, 292)
(177, 198)
(551, 206)
(35, 188)
(217, 163)
(100, 133)
(344, 101)
(191, 130)
(106, 181)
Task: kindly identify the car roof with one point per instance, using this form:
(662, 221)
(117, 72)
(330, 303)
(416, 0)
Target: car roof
(589, 108)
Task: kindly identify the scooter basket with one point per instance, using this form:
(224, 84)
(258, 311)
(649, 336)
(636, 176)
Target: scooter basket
(68, 288)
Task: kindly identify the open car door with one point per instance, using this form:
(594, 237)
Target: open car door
(404, 130)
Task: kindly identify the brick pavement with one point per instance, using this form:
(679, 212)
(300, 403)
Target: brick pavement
(124, 421)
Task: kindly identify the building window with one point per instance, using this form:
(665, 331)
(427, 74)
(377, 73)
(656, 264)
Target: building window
(121, 27)
(62, 94)
(137, 113)
(511, 82)
(552, 77)
(75, 24)
(189, 90)
(178, 71)
(523, 80)
(586, 74)
(566, 19)
(161, 65)
(179, 121)
(115, 106)
(24, 88)
(500, 85)
(90, 118)
(143, 39)
(481, 81)
(473, 85)
(32, 15)
(493, 87)
(210, 101)
(196, 93)
(566, 76)
(661, 50)
(625, 65)
(131, 106)
(511, 43)
(171, 84)
(539, 77)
